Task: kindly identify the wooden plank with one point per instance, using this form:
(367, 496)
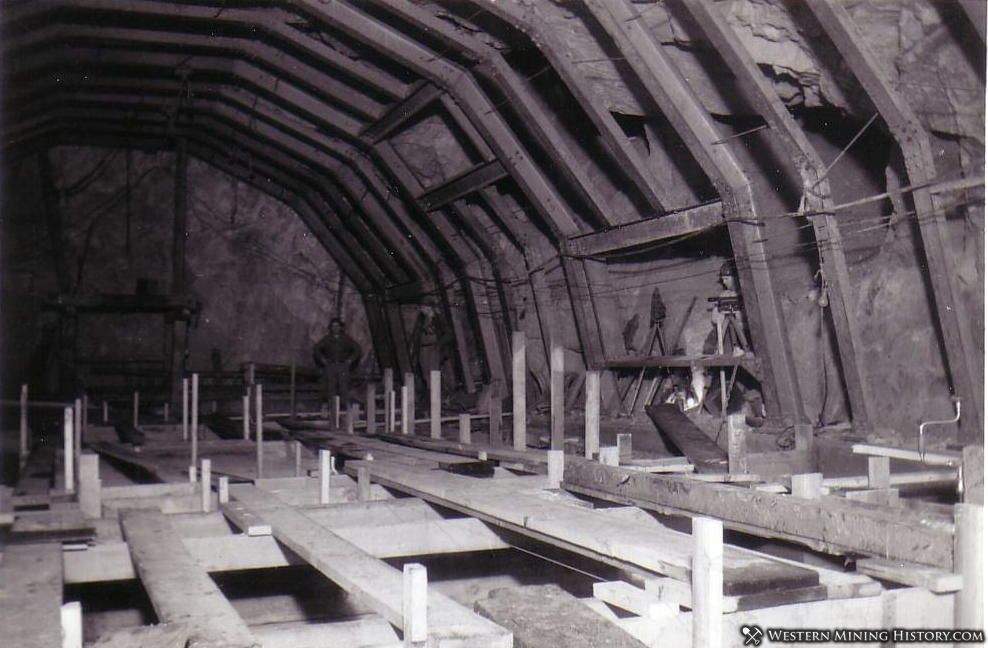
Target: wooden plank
(519, 378)
(695, 445)
(831, 524)
(579, 529)
(557, 393)
(973, 474)
(708, 578)
(543, 616)
(591, 428)
(634, 599)
(906, 573)
(929, 458)
(180, 590)
(969, 561)
(371, 581)
(402, 112)
(466, 183)
(31, 595)
(646, 232)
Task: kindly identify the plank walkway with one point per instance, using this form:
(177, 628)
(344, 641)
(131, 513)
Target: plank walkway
(31, 596)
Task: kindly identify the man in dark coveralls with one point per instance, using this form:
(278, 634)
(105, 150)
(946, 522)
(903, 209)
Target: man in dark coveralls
(335, 354)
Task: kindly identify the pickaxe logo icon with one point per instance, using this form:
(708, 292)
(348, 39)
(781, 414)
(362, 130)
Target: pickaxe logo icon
(752, 635)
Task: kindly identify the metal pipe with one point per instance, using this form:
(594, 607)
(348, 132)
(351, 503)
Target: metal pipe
(923, 426)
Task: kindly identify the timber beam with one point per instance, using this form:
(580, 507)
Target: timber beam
(463, 185)
(647, 232)
(402, 112)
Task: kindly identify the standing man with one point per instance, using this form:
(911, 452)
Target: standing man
(335, 354)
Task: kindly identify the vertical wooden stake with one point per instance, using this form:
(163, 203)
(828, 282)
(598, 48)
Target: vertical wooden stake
(166, 412)
(610, 456)
(224, 489)
(708, 582)
(414, 604)
(363, 484)
(389, 400)
(410, 383)
(495, 435)
(298, 458)
(68, 451)
(194, 424)
(406, 426)
(624, 446)
(106, 412)
(807, 486)
(557, 396)
(351, 417)
(85, 411)
(336, 412)
(206, 484)
(465, 428)
(324, 467)
(737, 445)
(23, 428)
(192, 475)
(878, 472)
(291, 391)
(246, 408)
(435, 404)
(556, 465)
(137, 408)
(185, 409)
(77, 429)
(591, 442)
(72, 625)
(90, 487)
(969, 561)
(371, 409)
(972, 477)
(259, 428)
(519, 405)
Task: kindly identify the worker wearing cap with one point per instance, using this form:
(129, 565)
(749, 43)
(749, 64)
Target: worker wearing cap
(335, 354)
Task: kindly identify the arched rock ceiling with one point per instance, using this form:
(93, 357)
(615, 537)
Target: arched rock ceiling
(529, 106)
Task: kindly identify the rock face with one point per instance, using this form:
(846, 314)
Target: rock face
(268, 289)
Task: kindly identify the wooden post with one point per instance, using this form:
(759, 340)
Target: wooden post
(405, 426)
(246, 408)
(737, 445)
(325, 459)
(206, 484)
(465, 428)
(414, 604)
(363, 484)
(519, 406)
(90, 488)
(972, 481)
(298, 458)
(556, 464)
(557, 396)
(708, 582)
(392, 423)
(185, 409)
(591, 441)
(106, 412)
(624, 446)
(166, 413)
(77, 427)
(259, 427)
(495, 434)
(85, 411)
(435, 404)
(336, 412)
(807, 486)
(610, 456)
(969, 561)
(371, 409)
(389, 399)
(137, 408)
(23, 448)
(410, 383)
(192, 474)
(68, 451)
(291, 391)
(878, 472)
(224, 489)
(351, 417)
(194, 424)
(71, 618)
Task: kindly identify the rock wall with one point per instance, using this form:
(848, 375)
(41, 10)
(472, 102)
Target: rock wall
(267, 288)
